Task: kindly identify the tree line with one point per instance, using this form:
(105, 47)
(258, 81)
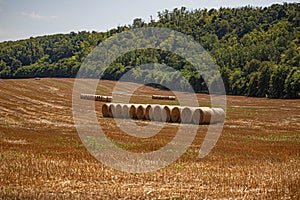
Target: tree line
(256, 50)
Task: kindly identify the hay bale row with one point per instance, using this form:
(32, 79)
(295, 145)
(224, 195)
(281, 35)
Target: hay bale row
(143, 111)
(156, 113)
(176, 114)
(106, 110)
(96, 97)
(163, 97)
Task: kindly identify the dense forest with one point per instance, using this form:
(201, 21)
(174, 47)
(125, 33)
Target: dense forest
(256, 49)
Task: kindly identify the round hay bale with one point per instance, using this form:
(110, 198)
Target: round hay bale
(172, 97)
(147, 112)
(175, 113)
(186, 115)
(113, 109)
(110, 110)
(163, 97)
(98, 98)
(156, 96)
(132, 111)
(140, 112)
(196, 116)
(91, 97)
(205, 115)
(119, 110)
(109, 99)
(219, 115)
(155, 113)
(106, 110)
(125, 111)
(104, 98)
(166, 114)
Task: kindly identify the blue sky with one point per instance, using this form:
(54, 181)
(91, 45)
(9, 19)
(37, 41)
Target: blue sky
(21, 19)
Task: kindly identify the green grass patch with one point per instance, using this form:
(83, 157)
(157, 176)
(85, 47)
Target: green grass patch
(102, 90)
(94, 143)
(128, 146)
(179, 167)
(67, 142)
(283, 137)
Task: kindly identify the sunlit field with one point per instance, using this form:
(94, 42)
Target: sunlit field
(42, 156)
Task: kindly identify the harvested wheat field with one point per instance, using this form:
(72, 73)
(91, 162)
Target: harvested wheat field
(42, 157)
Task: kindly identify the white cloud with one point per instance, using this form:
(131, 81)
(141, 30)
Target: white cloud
(34, 15)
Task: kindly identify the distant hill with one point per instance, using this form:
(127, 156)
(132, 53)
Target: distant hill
(257, 49)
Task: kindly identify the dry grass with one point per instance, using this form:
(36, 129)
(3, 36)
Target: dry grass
(41, 156)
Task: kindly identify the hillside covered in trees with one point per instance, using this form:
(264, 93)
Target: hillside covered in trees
(256, 49)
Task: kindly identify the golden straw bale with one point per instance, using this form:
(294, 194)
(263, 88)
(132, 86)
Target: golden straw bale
(155, 113)
(125, 111)
(186, 115)
(166, 114)
(174, 113)
(106, 110)
(132, 111)
(163, 97)
(205, 115)
(219, 115)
